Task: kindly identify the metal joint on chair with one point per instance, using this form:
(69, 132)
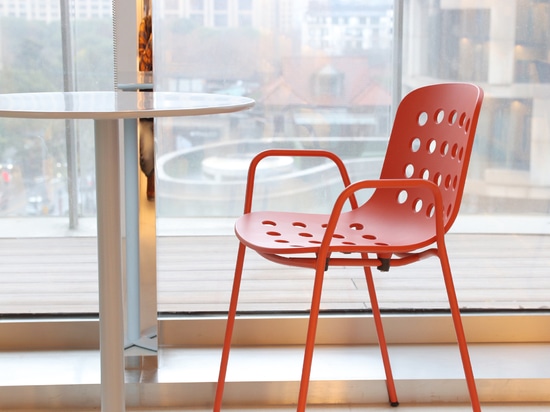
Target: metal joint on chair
(384, 265)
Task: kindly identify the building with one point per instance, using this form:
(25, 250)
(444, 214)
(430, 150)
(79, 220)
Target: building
(49, 10)
(473, 41)
(343, 27)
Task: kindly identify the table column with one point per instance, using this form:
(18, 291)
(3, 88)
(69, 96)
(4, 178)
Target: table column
(109, 239)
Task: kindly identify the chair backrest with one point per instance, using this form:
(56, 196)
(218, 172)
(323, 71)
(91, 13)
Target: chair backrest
(432, 138)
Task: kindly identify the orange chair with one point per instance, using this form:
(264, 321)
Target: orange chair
(415, 202)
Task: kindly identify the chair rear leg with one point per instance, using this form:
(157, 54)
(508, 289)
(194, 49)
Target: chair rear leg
(461, 337)
(229, 327)
(392, 394)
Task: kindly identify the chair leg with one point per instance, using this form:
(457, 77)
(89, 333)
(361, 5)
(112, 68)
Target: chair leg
(390, 384)
(229, 327)
(310, 339)
(461, 337)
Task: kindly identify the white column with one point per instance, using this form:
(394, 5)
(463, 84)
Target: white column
(109, 243)
(540, 142)
(125, 20)
(502, 42)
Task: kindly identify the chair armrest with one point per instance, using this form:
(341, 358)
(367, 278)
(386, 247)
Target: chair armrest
(352, 189)
(293, 153)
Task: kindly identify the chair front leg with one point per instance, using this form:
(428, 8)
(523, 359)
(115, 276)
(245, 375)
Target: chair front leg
(390, 384)
(229, 327)
(311, 333)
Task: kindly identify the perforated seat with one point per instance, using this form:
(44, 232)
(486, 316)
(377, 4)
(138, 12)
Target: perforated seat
(415, 202)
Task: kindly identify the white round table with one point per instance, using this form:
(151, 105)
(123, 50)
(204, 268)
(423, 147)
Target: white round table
(106, 108)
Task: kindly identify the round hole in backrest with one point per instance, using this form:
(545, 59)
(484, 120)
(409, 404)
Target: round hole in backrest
(356, 226)
(432, 145)
(282, 241)
(437, 179)
(449, 210)
(369, 237)
(461, 154)
(409, 170)
(415, 144)
(269, 223)
(454, 151)
(467, 128)
(430, 210)
(455, 182)
(439, 116)
(298, 224)
(305, 234)
(425, 174)
(448, 181)
(422, 118)
(462, 119)
(402, 196)
(417, 205)
(453, 116)
(273, 233)
(444, 148)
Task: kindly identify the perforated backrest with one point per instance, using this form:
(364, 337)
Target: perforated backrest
(432, 138)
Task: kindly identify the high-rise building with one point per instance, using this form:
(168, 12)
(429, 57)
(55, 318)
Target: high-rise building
(343, 27)
(49, 10)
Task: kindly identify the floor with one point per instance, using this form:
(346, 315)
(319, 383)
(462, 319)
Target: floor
(517, 407)
(417, 408)
(69, 380)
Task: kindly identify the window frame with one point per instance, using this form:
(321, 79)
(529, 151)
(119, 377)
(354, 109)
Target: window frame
(70, 332)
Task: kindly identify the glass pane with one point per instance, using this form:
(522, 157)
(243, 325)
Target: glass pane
(504, 47)
(318, 83)
(320, 73)
(36, 164)
(33, 153)
(321, 78)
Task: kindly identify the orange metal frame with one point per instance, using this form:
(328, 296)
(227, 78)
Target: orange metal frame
(427, 160)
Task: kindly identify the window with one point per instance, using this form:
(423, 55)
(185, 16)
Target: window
(245, 20)
(197, 5)
(310, 94)
(220, 5)
(172, 5)
(221, 20)
(245, 4)
(328, 82)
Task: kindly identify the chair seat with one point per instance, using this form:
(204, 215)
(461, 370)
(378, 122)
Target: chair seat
(293, 233)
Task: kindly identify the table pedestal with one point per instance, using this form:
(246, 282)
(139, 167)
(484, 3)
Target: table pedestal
(141, 265)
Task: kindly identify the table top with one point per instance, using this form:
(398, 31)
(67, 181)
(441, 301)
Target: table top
(117, 104)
